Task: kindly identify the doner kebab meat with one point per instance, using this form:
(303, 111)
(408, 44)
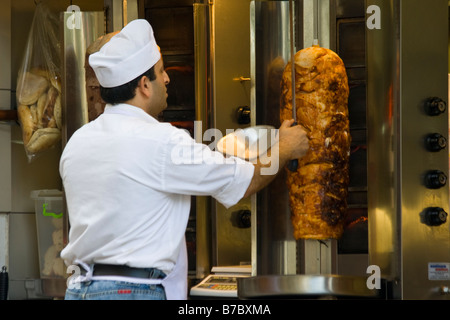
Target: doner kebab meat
(318, 189)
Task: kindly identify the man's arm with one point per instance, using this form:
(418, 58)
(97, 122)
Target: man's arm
(293, 144)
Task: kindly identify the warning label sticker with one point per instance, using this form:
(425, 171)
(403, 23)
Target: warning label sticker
(438, 271)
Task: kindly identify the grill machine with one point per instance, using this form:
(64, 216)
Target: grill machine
(396, 57)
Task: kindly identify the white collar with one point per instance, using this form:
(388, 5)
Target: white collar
(129, 110)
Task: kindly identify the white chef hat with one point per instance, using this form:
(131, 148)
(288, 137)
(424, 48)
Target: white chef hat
(127, 55)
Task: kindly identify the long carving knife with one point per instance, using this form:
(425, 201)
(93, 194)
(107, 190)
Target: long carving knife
(293, 164)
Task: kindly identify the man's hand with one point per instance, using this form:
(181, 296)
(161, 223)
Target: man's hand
(293, 141)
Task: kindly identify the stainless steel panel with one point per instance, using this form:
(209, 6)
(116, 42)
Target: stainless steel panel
(75, 41)
(231, 60)
(274, 247)
(406, 64)
(382, 98)
(424, 56)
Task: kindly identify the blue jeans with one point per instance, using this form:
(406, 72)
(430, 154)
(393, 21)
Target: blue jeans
(115, 290)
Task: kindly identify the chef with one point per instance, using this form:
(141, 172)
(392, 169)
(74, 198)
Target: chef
(128, 201)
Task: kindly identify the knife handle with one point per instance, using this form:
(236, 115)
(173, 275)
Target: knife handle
(293, 164)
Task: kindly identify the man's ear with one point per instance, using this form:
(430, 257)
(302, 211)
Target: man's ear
(144, 86)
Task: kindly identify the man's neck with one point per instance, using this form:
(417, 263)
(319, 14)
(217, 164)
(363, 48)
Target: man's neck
(136, 103)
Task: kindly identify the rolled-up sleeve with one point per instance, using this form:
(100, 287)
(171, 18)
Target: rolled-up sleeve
(193, 168)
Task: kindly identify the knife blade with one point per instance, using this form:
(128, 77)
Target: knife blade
(293, 164)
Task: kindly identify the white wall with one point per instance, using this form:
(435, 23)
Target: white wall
(5, 128)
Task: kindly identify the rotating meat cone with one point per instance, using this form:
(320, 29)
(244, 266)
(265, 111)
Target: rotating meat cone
(318, 189)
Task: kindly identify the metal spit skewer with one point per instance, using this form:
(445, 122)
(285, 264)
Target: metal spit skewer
(316, 23)
(293, 164)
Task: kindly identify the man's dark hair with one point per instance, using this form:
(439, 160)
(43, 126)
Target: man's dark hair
(125, 91)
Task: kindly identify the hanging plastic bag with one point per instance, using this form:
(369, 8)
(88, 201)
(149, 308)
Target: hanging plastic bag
(38, 90)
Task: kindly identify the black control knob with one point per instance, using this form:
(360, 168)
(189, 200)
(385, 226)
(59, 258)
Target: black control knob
(435, 179)
(435, 106)
(245, 218)
(241, 218)
(434, 216)
(435, 142)
(243, 115)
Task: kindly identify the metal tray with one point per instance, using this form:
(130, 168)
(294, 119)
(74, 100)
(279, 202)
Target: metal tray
(306, 286)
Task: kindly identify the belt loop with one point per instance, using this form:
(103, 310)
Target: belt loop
(88, 268)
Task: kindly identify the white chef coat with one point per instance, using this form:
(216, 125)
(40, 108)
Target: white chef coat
(128, 188)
